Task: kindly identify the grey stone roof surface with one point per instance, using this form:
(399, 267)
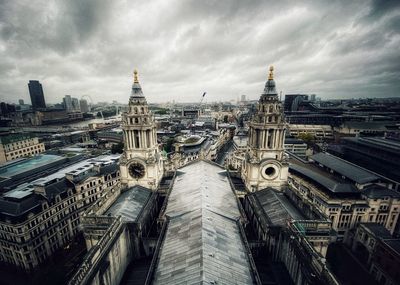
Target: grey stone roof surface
(129, 204)
(202, 244)
(344, 168)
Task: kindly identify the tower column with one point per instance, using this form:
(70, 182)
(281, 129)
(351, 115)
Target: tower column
(142, 140)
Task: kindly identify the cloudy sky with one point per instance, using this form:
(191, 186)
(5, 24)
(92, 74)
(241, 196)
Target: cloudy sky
(335, 49)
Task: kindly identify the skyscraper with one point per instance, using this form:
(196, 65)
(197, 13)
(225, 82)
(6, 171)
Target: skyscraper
(75, 104)
(84, 106)
(292, 101)
(36, 93)
(67, 102)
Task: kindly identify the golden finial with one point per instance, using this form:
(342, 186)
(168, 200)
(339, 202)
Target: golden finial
(135, 76)
(271, 73)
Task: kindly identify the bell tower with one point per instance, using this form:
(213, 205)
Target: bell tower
(265, 164)
(141, 163)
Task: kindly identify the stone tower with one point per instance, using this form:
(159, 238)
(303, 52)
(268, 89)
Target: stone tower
(265, 164)
(141, 163)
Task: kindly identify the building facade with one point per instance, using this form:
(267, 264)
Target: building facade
(15, 146)
(347, 198)
(319, 132)
(265, 164)
(141, 162)
(40, 217)
(378, 251)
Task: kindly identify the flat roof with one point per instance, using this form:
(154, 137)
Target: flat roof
(11, 138)
(28, 164)
(344, 168)
(27, 189)
(79, 167)
(129, 204)
(203, 243)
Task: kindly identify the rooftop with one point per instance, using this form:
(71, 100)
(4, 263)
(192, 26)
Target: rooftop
(27, 189)
(22, 165)
(11, 138)
(240, 141)
(377, 229)
(344, 168)
(293, 141)
(380, 143)
(394, 244)
(277, 207)
(203, 243)
(129, 204)
(18, 208)
(376, 191)
(326, 180)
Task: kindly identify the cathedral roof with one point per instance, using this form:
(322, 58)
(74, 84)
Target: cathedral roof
(130, 203)
(203, 243)
(275, 206)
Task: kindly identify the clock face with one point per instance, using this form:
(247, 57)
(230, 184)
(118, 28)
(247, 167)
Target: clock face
(136, 170)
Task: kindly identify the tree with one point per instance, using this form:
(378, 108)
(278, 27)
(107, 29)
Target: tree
(169, 144)
(307, 138)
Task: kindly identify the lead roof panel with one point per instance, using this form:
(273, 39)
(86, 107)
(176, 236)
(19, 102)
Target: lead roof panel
(129, 204)
(203, 243)
(345, 168)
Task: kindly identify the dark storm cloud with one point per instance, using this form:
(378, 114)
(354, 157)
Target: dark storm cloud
(182, 48)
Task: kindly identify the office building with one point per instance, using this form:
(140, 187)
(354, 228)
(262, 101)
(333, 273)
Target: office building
(292, 101)
(84, 107)
(14, 146)
(40, 217)
(75, 104)
(36, 93)
(67, 102)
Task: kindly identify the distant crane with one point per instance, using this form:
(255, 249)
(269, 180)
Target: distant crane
(201, 101)
(202, 98)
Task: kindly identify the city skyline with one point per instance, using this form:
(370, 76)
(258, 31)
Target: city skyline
(335, 50)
